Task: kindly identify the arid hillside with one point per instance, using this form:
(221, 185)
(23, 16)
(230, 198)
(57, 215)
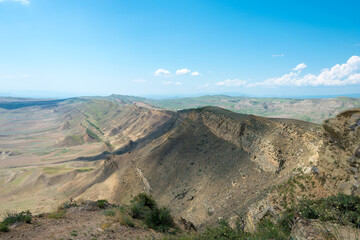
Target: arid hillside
(40, 143)
(203, 164)
(208, 162)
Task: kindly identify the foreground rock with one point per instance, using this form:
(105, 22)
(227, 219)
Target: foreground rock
(316, 230)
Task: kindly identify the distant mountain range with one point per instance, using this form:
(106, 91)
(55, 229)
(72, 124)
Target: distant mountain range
(309, 109)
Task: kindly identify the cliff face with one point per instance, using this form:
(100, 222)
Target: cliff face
(272, 143)
(340, 157)
(334, 169)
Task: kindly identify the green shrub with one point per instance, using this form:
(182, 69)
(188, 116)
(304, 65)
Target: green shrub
(222, 231)
(267, 229)
(124, 219)
(342, 209)
(144, 200)
(141, 205)
(11, 218)
(159, 219)
(102, 204)
(67, 205)
(4, 228)
(145, 208)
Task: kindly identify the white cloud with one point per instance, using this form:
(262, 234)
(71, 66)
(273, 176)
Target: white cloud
(162, 73)
(196, 73)
(278, 55)
(23, 2)
(170, 83)
(182, 71)
(231, 83)
(339, 75)
(139, 80)
(300, 66)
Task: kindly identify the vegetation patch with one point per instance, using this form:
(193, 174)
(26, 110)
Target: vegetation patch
(109, 146)
(94, 126)
(92, 135)
(103, 204)
(124, 218)
(11, 218)
(68, 204)
(55, 170)
(144, 207)
(341, 209)
(58, 214)
(84, 170)
(109, 213)
(222, 231)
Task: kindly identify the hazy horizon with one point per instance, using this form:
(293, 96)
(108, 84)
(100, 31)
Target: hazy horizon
(46, 95)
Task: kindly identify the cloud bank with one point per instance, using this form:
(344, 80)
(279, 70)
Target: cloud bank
(339, 75)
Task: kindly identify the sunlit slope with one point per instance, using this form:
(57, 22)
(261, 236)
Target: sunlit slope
(39, 143)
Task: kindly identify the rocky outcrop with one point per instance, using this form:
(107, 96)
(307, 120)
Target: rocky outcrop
(340, 156)
(271, 143)
(317, 230)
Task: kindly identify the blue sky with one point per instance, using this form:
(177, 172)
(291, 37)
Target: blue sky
(54, 48)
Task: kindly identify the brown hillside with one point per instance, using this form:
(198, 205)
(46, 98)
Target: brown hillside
(210, 163)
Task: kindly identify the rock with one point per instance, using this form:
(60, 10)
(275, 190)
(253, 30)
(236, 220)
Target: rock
(355, 184)
(316, 230)
(211, 210)
(181, 195)
(315, 170)
(255, 213)
(187, 225)
(357, 153)
(346, 188)
(191, 198)
(352, 161)
(353, 170)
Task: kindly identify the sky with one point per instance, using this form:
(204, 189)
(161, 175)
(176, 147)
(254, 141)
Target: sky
(64, 48)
